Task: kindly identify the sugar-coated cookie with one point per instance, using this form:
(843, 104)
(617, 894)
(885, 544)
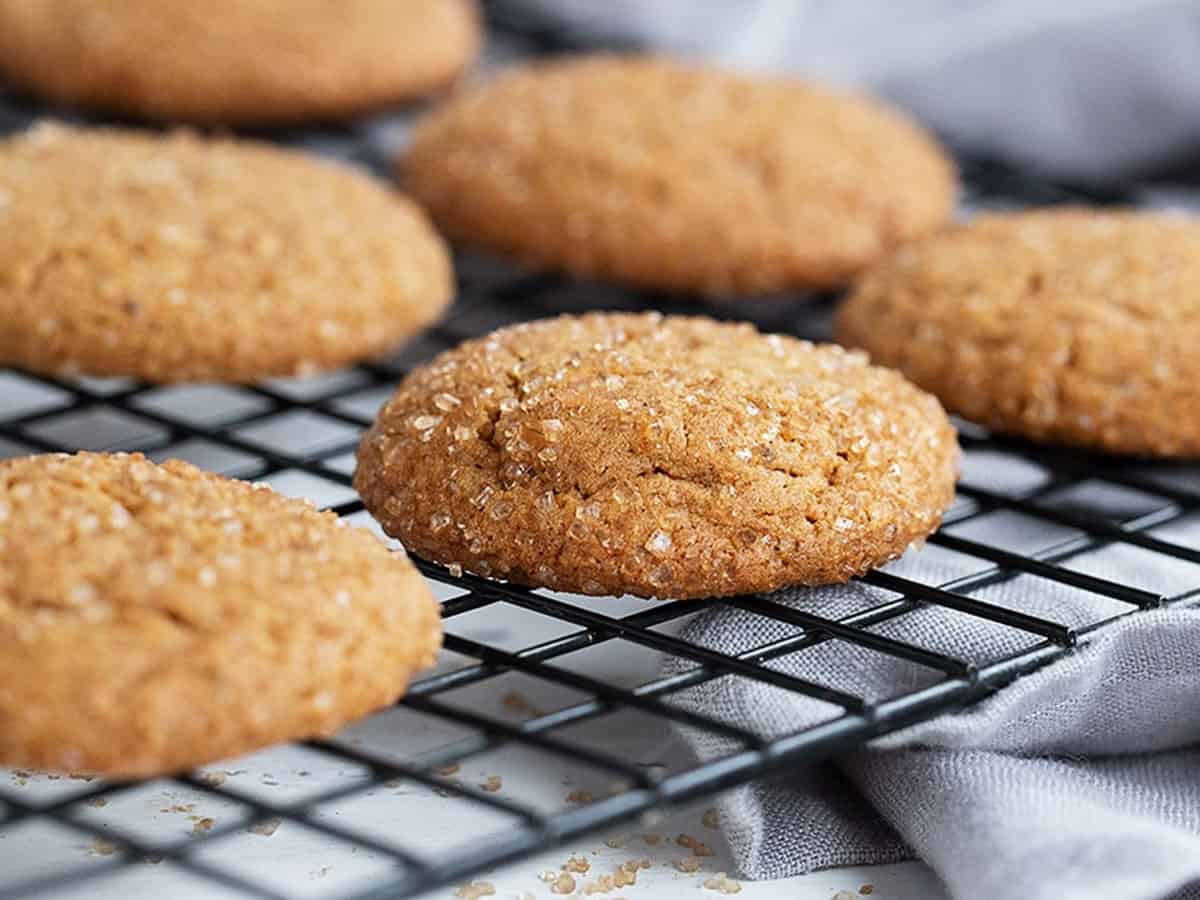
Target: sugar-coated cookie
(1068, 325)
(236, 61)
(671, 457)
(678, 177)
(156, 617)
(176, 258)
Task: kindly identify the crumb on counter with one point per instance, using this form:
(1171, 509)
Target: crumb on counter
(723, 884)
(473, 890)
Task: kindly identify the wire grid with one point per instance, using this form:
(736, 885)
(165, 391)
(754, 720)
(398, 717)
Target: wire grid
(305, 433)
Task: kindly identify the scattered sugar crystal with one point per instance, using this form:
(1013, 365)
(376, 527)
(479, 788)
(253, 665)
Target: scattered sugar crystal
(438, 521)
(744, 454)
(622, 403)
(659, 543)
(342, 598)
(88, 523)
(83, 593)
(614, 382)
(423, 423)
(552, 428)
(545, 502)
(548, 454)
(445, 402)
(323, 700)
(508, 404)
(752, 410)
(463, 433)
(207, 576)
(501, 510)
(841, 523)
(455, 570)
(482, 497)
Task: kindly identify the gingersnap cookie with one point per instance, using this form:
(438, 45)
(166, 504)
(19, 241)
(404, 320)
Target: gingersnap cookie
(236, 61)
(1068, 325)
(677, 178)
(156, 617)
(177, 258)
(669, 457)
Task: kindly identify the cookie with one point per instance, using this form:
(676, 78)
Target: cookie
(668, 457)
(677, 178)
(180, 258)
(236, 61)
(156, 617)
(1066, 325)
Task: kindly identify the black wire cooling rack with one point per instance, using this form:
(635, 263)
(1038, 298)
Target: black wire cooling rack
(39, 414)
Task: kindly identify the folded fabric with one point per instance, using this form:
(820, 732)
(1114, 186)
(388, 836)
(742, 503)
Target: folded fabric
(1081, 780)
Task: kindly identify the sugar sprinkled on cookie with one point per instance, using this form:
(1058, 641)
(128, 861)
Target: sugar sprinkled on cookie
(1068, 325)
(156, 617)
(678, 177)
(671, 457)
(176, 258)
(236, 61)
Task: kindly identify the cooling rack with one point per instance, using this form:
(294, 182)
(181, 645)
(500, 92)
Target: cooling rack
(300, 436)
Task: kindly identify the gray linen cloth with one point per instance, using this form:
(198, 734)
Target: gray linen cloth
(1081, 780)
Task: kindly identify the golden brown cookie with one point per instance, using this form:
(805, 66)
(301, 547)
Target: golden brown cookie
(679, 178)
(154, 618)
(176, 258)
(236, 61)
(671, 457)
(1067, 325)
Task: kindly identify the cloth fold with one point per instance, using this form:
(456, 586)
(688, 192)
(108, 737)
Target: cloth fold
(1081, 780)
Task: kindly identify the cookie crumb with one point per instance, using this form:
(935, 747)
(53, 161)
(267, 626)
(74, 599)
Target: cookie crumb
(447, 771)
(844, 895)
(493, 784)
(473, 890)
(652, 839)
(97, 801)
(723, 883)
(547, 876)
(563, 884)
(577, 864)
(213, 779)
(579, 797)
(516, 702)
(102, 847)
(267, 827)
(616, 842)
(203, 825)
(688, 864)
(867, 889)
(626, 873)
(711, 818)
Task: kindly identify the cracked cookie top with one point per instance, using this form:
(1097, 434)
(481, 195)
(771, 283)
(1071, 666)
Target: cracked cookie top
(182, 258)
(1068, 325)
(669, 457)
(678, 177)
(156, 617)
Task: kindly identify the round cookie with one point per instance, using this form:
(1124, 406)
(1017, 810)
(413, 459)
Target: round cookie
(1067, 325)
(158, 617)
(236, 61)
(177, 258)
(677, 178)
(669, 457)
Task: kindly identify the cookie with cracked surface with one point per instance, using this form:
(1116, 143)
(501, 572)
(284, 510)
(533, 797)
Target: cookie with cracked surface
(156, 617)
(181, 258)
(669, 457)
(1067, 325)
(678, 178)
(236, 61)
